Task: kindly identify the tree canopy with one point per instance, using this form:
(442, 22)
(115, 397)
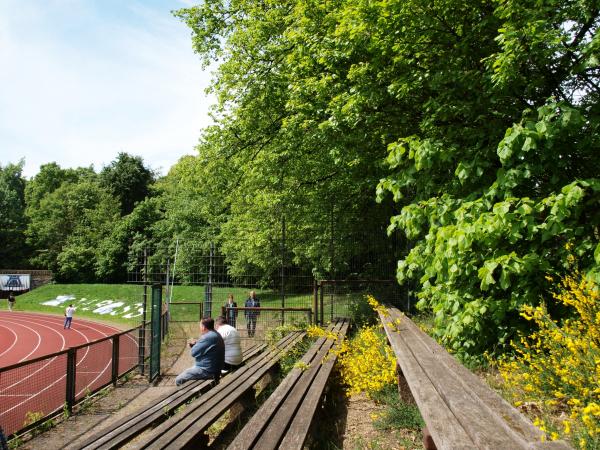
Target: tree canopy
(466, 130)
(478, 118)
(13, 250)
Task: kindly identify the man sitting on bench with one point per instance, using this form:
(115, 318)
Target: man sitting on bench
(209, 352)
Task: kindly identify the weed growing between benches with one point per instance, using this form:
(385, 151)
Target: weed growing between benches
(289, 360)
(397, 414)
(367, 374)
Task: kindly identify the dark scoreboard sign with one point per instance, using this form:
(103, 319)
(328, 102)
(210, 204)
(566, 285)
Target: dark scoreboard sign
(16, 282)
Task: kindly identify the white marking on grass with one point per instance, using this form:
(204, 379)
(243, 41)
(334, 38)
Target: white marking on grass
(59, 300)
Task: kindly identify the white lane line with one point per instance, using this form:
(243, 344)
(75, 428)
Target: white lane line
(14, 340)
(42, 367)
(39, 338)
(44, 319)
(59, 379)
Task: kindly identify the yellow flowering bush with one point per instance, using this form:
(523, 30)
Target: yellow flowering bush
(377, 307)
(314, 331)
(367, 363)
(557, 367)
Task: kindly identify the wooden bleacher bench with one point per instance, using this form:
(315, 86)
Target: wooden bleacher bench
(186, 428)
(124, 430)
(284, 420)
(459, 410)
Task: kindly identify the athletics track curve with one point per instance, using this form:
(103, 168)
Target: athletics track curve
(40, 386)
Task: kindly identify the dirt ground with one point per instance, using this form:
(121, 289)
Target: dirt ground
(360, 432)
(343, 423)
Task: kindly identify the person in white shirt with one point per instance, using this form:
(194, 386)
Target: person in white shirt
(68, 316)
(233, 347)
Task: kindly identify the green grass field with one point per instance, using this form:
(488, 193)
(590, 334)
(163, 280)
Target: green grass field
(120, 304)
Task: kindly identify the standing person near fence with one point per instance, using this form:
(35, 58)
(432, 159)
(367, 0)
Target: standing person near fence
(68, 317)
(209, 353)
(233, 347)
(231, 311)
(251, 315)
(11, 300)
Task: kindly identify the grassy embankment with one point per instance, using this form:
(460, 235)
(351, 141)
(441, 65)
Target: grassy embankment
(120, 304)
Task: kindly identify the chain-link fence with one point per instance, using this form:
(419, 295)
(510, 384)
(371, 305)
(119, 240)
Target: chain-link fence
(32, 391)
(198, 282)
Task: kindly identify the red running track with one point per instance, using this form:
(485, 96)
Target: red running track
(40, 387)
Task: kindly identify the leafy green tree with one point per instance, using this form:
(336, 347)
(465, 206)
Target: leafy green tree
(13, 248)
(49, 178)
(137, 229)
(128, 180)
(480, 253)
(277, 152)
(487, 113)
(67, 226)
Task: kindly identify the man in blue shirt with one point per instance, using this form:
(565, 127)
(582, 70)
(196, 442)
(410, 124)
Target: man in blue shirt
(209, 352)
(251, 315)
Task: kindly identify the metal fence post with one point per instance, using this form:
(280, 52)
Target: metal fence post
(70, 382)
(155, 339)
(142, 334)
(316, 300)
(321, 303)
(115, 359)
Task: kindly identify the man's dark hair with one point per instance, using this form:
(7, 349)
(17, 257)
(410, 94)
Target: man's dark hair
(221, 320)
(208, 323)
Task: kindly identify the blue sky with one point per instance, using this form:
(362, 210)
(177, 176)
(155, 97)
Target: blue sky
(82, 80)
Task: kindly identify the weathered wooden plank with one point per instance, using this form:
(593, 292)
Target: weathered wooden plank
(447, 431)
(189, 423)
(163, 428)
(482, 426)
(121, 432)
(505, 416)
(488, 419)
(259, 421)
(298, 430)
(218, 404)
(279, 423)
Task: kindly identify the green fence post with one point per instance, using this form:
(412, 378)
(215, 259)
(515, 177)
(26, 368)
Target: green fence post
(70, 382)
(115, 359)
(155, 339)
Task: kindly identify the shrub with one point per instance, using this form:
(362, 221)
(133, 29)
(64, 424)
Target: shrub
(361, 312)
(367, 363)
(558, 365)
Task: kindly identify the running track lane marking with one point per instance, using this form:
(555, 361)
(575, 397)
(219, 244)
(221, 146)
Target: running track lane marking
(43, 319)
(14, 341)
(39, 338)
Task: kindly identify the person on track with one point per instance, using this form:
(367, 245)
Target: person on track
(11, 300)
(68, 316)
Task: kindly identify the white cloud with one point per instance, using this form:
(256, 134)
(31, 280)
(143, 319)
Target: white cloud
(78, 85)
